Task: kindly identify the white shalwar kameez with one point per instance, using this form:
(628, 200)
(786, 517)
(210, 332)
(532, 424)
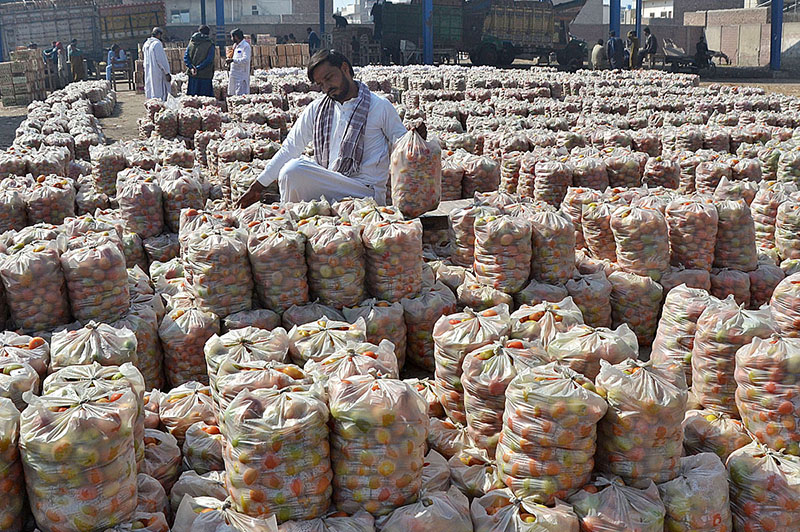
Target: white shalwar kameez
(239, 81)
(301, 179)
(156, 70)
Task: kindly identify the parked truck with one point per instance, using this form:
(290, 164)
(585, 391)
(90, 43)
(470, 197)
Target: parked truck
(95, 25)
(491, 32)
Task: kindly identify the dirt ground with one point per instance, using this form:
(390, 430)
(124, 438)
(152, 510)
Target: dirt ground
(122, 125)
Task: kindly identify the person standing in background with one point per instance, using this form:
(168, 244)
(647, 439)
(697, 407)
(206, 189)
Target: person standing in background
(199, 59)
(239, 82)
(599, 57)
(313, 40)
(63, 64)
(292, 40)
(157, 77)
(633, 50)
(650, 48)
(76, 61)
(377, 20)
(615, 51)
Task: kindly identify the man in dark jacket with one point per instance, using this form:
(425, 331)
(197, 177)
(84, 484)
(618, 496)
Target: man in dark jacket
(615, 51)
(199, 60)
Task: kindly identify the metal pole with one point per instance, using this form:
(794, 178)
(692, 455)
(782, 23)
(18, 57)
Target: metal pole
(220, 26)
(613, 17)
(427, 32)
(776, 35)
(321, 18)
(202, 11)
(639, 18)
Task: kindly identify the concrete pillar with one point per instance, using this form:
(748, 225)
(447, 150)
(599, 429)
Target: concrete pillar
(776, 35)
(427, 32)
(639, 19)
(613, 17)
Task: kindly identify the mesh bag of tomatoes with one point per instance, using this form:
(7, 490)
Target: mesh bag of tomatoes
(360, 521)
(318, 339)
(635, 300)
(727, 282)
(384, 321)
(766, 377)
(591, 293)
(416, 174)
(393, 253)
(150, 495)
(50, 200)
(608, 505)
(12, 485)
(277, 457)
(502, 511)
(692, 229)
(216, 264)
(544, 321)
(553, 257)
(106, 378)
(141, 205)
(143, 522)
(736, 238)
(502, 252)
(96, 342)
(209, 514)
(210, 484)
(378, 443)
(688, 498)
(641, 241)
(185, 405)
(34, 351)
(270, 251)
(707, 431)
(674, 340)
(183, 333)
(763, 281)
(142, 320)
(547, 445)
(16, 378)
(181, 189)
(722, 329)
(162, 459)
(78, 456)
(356, 359)
(421, 314)
(35, 287)
(479, 296)
(581, 348)
(641, 438)
(257, 374)
(434, 510)
(764, 489)
(596, 229)
(785, 306)
(97, 281)
(335, 258)
(244, 345)
(202, 448)
(486, 374)
(456, 335)
(572, 206)
(462, 222)
(473, 472)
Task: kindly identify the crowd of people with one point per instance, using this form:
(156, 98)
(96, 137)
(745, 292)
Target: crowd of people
(630, 55)
(199, 60)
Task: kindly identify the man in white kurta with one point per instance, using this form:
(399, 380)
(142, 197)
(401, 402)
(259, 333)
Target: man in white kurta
(302, 179)
(157, 77)
(239, 81)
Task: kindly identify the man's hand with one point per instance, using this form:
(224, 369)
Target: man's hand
(169, 78)
(228, 61)
(193, 71)
(252, 195)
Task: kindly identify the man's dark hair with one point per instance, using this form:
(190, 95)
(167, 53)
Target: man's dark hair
(647, 30)
(332, 57)
(205, 30)
(157, 31)
(114, 47)
(600, 42)
(309, 30)
(612, 33)
(237, 33)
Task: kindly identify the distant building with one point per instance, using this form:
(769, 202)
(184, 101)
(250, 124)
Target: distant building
(358, 12)
(246, 13)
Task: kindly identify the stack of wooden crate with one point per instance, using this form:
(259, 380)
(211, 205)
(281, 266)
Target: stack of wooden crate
(290, 55)
(266, 38)
(22, 79)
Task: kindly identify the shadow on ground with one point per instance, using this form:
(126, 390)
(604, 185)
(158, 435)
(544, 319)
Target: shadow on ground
(8, 127)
